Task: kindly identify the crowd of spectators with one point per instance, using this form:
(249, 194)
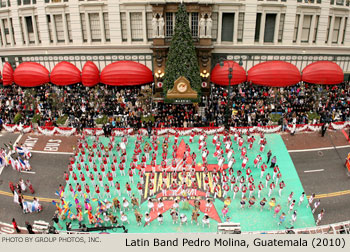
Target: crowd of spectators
(121, 107)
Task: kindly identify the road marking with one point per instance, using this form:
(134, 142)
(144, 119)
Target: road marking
(30, 172)
(314, 170)
(28, 197)
(18, 138)
(49, 152)
(346, 135)
(334, 194)
(318, 149)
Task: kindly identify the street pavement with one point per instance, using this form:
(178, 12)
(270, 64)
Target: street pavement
(332, 179)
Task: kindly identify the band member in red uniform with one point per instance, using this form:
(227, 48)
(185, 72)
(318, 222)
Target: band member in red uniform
(87, 190)
(244, 190)
(191, 136)
(251, 189)
(226, 188)
(107, 191)
(248, 172)
(235, 191)
(263, 169)
(128, 189)
(122, 169)
(282, 185)
(174, 187)
(260, 187)
(268, 177)
(131, 176)
(117, 187)
(164, 189)
(110, 178)
(139, 188)
(97, 191)
(272, 187)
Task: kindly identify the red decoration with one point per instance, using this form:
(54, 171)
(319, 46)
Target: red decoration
(7, 74)
(219, 74)
(90, 75)
(126, 73)
(323, 72)
(65, 73)
(274, 74)
(204, 84)
(160, 84)
(31, 74)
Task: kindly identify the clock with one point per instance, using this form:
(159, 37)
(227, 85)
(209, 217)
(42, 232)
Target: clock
(182, 87)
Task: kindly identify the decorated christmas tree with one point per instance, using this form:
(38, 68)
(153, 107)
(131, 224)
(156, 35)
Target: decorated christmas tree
(182, 57)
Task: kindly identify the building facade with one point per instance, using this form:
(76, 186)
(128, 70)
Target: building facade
(297, 31)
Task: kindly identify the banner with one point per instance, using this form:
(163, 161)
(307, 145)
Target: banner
(67, 131)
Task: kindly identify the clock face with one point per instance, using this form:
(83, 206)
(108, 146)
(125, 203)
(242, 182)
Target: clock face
(181, 87)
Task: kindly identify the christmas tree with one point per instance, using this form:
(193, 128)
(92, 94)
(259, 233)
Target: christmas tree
(182, 57)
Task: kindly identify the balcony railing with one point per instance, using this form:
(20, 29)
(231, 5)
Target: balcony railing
(310, 1)
(55, 1)
(26, 2)
(340, 2)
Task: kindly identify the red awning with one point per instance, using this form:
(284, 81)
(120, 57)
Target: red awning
(219, 75)
(274, 74)
(7, 74)
(126, 73)
(90, 75)
(65, 73)
(323, 72)
(31, 74)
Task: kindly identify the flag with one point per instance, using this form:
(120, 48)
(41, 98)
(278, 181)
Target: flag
(21, 163)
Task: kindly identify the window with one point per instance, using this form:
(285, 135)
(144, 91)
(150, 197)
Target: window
(336, 29)
(328, 26)
(194, 24)
(169, 24)
(106, 22)
(29, 24)
(13, 33)
(149, 17)
(30, 29)
(214, 29)
(123, 24)
(270, 22)
(136, 26)
(339, 2)
(257, 27)
(296, 28)
(48, 18)
(69, 28)
(281, 27)
(227, 26)
(240, 27)
(305, 33)
(344, 31)
(6, 31)
(83, 26)
(95, 27)
(59, 28)
(316, 28)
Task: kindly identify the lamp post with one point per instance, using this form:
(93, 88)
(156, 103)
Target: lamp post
(228, 107)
